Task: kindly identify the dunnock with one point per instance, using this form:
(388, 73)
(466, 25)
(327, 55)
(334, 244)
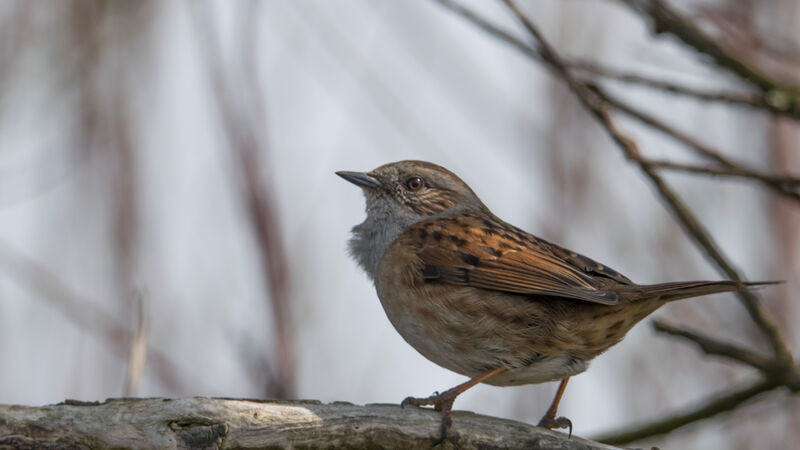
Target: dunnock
(485, 299)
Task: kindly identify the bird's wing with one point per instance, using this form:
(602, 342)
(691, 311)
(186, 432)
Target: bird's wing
(484, 252)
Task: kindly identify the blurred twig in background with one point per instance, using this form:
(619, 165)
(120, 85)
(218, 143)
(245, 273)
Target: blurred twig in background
(664, 19)
(732, 97)
(244, 123)
(788, 186)
(89, 317)
(778, 369)
(138, 351)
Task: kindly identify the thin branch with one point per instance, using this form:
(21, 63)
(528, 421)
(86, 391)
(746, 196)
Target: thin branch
(90, 318)
(709, 408)
(771, 368)
(643, 117)
(667, 20)
(493, 30)
(712, 346)
(779, 184)
(596, 105)
(734, 98)
(734, 26)
(138, 350)
(758, 101)
(249, 144)
(786, 181)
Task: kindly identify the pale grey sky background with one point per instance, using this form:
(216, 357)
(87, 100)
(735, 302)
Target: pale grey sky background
(351, 85)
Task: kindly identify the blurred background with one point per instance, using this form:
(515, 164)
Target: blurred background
(171, 225)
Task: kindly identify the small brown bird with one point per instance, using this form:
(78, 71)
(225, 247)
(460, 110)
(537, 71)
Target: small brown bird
(485, 299)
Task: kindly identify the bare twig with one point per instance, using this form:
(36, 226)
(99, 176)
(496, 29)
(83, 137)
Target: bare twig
(490, 28)
(88, 317)
(716, 347)
(662, 127)
(666, 20)
(787, 181)
(710, 408)
(596, 105)
(734, 25)
(734, 98)
(774, 376)
(782, 185)
(123, 179)
(249, 143)
(138, 351)
(758, 101)
(772, 368)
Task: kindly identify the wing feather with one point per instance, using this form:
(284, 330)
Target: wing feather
(471, 251)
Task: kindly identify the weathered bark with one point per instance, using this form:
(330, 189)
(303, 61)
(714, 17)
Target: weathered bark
(229, 423)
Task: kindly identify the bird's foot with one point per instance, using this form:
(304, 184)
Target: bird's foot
(549, 421)
(444, 402)
(441, 402)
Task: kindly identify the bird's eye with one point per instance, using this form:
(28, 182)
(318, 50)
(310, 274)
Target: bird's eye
(414, 183)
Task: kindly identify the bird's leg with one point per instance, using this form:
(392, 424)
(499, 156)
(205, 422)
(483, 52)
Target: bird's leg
(444, 402)
(549, 420)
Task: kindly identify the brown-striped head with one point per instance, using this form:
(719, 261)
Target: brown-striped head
(413, 190)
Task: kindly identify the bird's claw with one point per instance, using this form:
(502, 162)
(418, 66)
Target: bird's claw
(416, 401)
(556, 422)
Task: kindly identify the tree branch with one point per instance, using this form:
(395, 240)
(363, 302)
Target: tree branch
(788, 181)
(782, 185)
(667, 20)
(781, 97)
(243, 127)
(747, 99)
(757, 101)
(788, 375)
(710, 408)
(711, 346)
(244, 424)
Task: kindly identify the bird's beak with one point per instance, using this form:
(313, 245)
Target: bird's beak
(360, 179)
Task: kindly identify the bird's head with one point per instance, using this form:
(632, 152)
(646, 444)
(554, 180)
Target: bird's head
(411, 191)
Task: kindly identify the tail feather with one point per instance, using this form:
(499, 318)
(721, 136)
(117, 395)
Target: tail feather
(686, 289)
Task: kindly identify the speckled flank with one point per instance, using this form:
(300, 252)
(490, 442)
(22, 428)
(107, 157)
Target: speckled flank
(469, 330)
